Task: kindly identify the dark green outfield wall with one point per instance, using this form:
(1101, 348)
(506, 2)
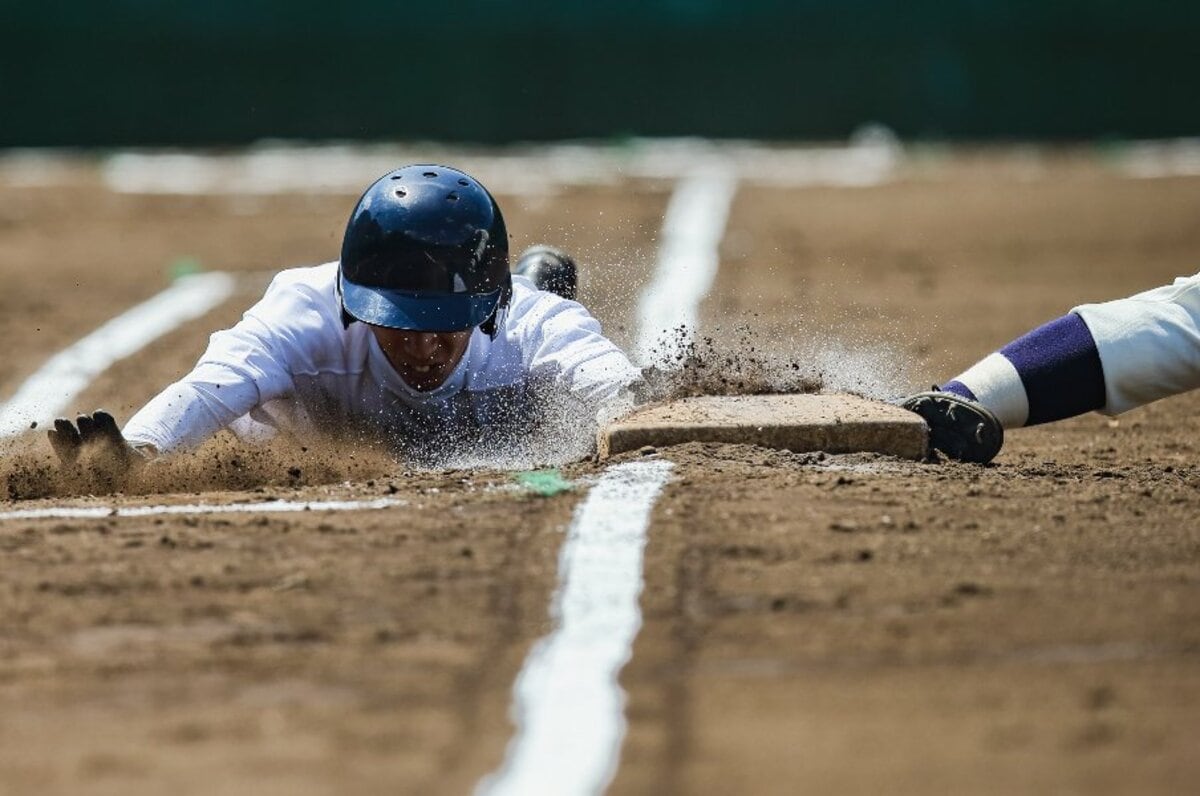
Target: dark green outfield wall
(190, 72)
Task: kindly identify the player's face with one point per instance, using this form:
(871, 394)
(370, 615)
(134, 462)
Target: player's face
(423, 359)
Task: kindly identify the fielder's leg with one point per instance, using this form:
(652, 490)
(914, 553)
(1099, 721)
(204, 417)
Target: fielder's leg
(1108, 357)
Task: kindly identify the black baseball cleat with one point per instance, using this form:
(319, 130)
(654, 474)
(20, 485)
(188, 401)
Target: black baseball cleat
(550, 269)
(960, 428)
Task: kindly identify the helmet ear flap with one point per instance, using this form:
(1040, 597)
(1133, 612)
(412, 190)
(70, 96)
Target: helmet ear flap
(347, 318)
(491, 326)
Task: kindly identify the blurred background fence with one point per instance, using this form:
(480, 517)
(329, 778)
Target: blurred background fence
(121, 72)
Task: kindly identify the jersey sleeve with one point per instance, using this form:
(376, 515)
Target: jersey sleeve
(564, 344)
(243, 367)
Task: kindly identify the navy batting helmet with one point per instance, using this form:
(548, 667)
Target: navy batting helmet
(425, 249)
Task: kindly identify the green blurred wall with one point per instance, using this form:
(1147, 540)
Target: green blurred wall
(191, 72)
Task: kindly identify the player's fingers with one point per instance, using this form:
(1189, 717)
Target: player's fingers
(64, 440)
(105, 425)
(65, 430)
(87, 429)
(63, 449)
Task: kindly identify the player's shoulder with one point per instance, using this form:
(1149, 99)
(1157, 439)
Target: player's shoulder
(536, 317)
(300, 298)
(301, 313)
(310, 287)
(529, 303)
(317, 279)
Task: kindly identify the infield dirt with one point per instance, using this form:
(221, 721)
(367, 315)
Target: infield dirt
(812, 623)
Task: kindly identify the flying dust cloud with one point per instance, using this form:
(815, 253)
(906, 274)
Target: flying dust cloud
(741, 360)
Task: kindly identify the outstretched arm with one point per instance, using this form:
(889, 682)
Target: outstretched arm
(565, 345)
(191, 410)
(242, 368)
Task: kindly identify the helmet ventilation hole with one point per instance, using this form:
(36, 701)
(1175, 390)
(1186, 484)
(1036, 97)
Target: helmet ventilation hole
(452, 197)
(463, 181)
(397, 176)
(431, 174)
(401, 193)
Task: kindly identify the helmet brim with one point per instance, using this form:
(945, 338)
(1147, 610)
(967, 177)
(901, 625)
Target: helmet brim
(417, 312)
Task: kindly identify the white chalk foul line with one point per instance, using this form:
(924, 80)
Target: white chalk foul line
(568, 706)
(687, 263)
(66, 374)
(264, 506)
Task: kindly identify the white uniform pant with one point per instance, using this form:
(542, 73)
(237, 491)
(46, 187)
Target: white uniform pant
(1149, 344)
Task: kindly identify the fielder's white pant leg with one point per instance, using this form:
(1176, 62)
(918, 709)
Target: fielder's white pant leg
(1149, 344)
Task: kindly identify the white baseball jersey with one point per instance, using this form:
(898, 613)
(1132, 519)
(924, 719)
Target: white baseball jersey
(1149, 344)
(290, 365)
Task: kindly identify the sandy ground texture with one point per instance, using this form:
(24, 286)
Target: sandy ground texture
(813, 623)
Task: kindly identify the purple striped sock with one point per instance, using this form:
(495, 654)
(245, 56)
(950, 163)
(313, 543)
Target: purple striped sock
(1060, 369)
(958, 388)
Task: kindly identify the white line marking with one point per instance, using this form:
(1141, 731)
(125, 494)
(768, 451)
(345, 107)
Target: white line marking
(1148, 160)
(66, 374)
(871, 157)
(687, 263)
(568, 706)
(94, 512)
